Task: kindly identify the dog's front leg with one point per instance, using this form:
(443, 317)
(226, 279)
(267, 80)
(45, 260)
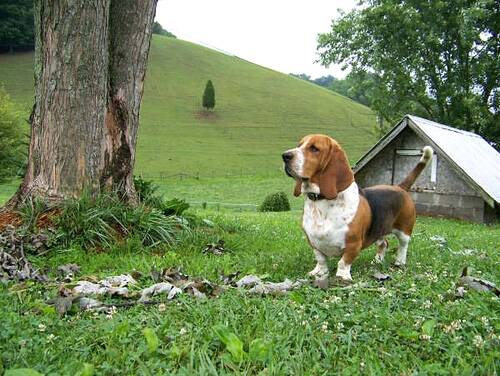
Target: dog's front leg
(321, 269)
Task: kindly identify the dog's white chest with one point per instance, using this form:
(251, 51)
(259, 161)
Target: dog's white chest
(326, 221)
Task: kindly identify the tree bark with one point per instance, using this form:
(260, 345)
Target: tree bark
(90, 64)
(128, 55)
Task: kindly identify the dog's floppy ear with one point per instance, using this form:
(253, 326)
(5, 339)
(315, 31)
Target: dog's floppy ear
(298, 188)
(337, 175)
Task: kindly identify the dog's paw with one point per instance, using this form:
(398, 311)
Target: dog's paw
(318, 272)
(399, 264)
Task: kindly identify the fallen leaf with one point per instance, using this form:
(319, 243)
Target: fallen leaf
(68, 270)
(229, 279)
(476, 283)
(156, 289)
(381, 277)
(89, 303)
(248, 281)
(63, 304)
(215, 248)
(274, 287)
(321, 283)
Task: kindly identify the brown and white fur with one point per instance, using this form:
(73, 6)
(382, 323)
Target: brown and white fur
(340, 219)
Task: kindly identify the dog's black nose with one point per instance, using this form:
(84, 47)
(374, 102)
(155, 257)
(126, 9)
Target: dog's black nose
(287, 156)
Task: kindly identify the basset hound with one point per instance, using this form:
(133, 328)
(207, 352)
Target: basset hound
(340, 219)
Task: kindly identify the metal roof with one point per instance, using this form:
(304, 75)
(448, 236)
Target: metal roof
(468, 153)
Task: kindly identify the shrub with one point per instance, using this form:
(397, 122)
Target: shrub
(275, 202)
(12, 139)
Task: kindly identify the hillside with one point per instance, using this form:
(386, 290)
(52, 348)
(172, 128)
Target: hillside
(259, 112)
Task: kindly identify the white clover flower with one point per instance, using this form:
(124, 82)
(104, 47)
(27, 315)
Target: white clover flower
(453, 327)
(478, 341)
(324, 327)
(427, 304)
(111, 312)
(335, 299)
(51, 337)
(41, 327)
(425, 337)
(183, 331)
(162, 307)
(340, 326)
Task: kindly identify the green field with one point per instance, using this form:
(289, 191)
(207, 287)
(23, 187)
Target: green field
(259, 113)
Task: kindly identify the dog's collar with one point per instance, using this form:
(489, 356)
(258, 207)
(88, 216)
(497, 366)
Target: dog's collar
(315, 196)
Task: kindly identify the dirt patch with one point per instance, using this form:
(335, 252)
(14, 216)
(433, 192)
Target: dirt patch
(204, 115)
(46, 220)
(9, 218)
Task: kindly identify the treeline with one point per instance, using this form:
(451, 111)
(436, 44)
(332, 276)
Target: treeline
(17, 26)
(357, 88)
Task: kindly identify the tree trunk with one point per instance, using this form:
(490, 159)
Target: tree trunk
(90, 64)
(128, 55)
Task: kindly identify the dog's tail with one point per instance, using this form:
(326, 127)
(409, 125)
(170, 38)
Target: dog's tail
(415, 173)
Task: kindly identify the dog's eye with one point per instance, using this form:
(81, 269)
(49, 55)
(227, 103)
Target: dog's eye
(313, 148)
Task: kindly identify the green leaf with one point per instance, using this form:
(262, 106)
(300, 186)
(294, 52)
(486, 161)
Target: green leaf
(22, 372)
(428, 327)
(407, 333)
(259, 350)
(151, 339)
(232, 342)
(87, 370)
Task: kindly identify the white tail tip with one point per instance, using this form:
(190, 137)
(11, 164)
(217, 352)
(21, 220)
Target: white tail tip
(426, 154)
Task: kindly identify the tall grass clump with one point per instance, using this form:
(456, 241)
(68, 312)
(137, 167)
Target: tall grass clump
(88, 221)
(31, 211)
(105, 220)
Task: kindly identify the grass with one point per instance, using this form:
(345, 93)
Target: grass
(7, 190)
(366, 330)
(259, 113)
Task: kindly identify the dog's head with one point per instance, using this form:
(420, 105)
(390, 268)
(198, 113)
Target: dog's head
(321, 163)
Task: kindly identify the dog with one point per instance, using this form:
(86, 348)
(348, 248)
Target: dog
(339, 219)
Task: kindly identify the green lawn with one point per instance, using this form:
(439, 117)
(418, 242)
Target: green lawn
(409, 325)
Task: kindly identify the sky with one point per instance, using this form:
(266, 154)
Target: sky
(278, 34)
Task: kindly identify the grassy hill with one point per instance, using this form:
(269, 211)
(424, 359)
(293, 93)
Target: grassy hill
(259, 112)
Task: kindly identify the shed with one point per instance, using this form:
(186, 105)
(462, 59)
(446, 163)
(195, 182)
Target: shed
(461, 181)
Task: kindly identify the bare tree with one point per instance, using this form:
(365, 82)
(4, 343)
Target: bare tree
(90, 64)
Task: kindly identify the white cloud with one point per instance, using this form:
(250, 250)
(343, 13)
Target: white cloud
(279, 34)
